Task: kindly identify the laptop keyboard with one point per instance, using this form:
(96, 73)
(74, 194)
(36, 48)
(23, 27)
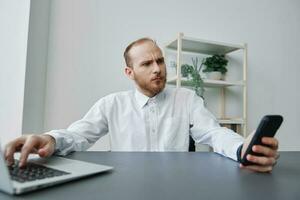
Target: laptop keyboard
(32, 172)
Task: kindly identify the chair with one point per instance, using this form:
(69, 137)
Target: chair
(192, 147)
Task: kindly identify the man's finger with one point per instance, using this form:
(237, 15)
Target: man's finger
(9, 154)
(11, 148)
(46, 151)
(260, 160)
(257, 168)
(27, 148)
(267, 151)
(270, 141)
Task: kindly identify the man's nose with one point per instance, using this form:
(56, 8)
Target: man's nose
(156, 67)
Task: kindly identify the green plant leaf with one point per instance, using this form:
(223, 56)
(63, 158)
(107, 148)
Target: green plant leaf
(215, 63)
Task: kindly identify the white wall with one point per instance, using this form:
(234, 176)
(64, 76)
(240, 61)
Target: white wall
(87, 39)
(14, 20)
(36, 67)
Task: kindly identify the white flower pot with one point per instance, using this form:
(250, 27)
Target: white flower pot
(214, 75)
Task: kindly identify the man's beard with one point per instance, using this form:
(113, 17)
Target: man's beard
(153, 90)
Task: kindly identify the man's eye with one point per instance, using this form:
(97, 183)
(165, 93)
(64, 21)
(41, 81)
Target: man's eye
(160, 61)
(146, 64)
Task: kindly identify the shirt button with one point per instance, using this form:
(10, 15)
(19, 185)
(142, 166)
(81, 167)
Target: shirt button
(152, 110)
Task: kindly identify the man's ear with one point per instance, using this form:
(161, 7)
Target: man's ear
(129, 72)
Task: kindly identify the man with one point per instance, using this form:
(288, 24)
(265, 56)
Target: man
(151, 118)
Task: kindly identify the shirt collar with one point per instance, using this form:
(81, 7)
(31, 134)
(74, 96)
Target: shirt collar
(142, 99)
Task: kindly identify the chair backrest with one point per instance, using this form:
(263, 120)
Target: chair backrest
(192, 147)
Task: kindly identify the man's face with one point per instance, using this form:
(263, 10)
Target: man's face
(148, 68)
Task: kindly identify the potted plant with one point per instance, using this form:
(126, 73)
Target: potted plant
(186, 71)
(215, 67)
(192, 73)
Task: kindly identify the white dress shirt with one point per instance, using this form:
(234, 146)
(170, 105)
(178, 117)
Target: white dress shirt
(136, 122)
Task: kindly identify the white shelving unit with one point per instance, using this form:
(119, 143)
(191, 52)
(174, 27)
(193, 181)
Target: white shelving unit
(194, 45)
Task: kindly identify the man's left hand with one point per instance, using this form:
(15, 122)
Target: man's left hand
(270, 154)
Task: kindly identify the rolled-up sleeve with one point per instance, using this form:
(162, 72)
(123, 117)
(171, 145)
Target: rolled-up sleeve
(83, 133)
(205, 129)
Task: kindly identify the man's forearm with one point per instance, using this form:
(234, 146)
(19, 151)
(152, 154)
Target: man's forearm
(66, 142)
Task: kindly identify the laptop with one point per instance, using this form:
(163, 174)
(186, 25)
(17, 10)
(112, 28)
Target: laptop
(43, 172)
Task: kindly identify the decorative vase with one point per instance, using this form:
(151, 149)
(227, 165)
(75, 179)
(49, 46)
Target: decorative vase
(214, 75)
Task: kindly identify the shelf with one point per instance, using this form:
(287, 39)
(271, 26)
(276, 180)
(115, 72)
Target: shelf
(204, 46)
(187, 46)
(220, 83)
(231, 121)
(208, 82)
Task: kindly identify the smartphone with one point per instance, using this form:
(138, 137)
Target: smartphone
(267, 127)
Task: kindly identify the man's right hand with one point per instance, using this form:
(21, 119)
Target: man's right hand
(44, 145)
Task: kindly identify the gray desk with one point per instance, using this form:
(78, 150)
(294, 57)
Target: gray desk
(176, 176)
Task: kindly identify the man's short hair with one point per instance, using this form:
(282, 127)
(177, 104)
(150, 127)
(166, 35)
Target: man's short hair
(128, 48)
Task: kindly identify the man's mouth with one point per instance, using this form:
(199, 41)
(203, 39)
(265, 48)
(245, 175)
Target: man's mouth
(157, 79)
